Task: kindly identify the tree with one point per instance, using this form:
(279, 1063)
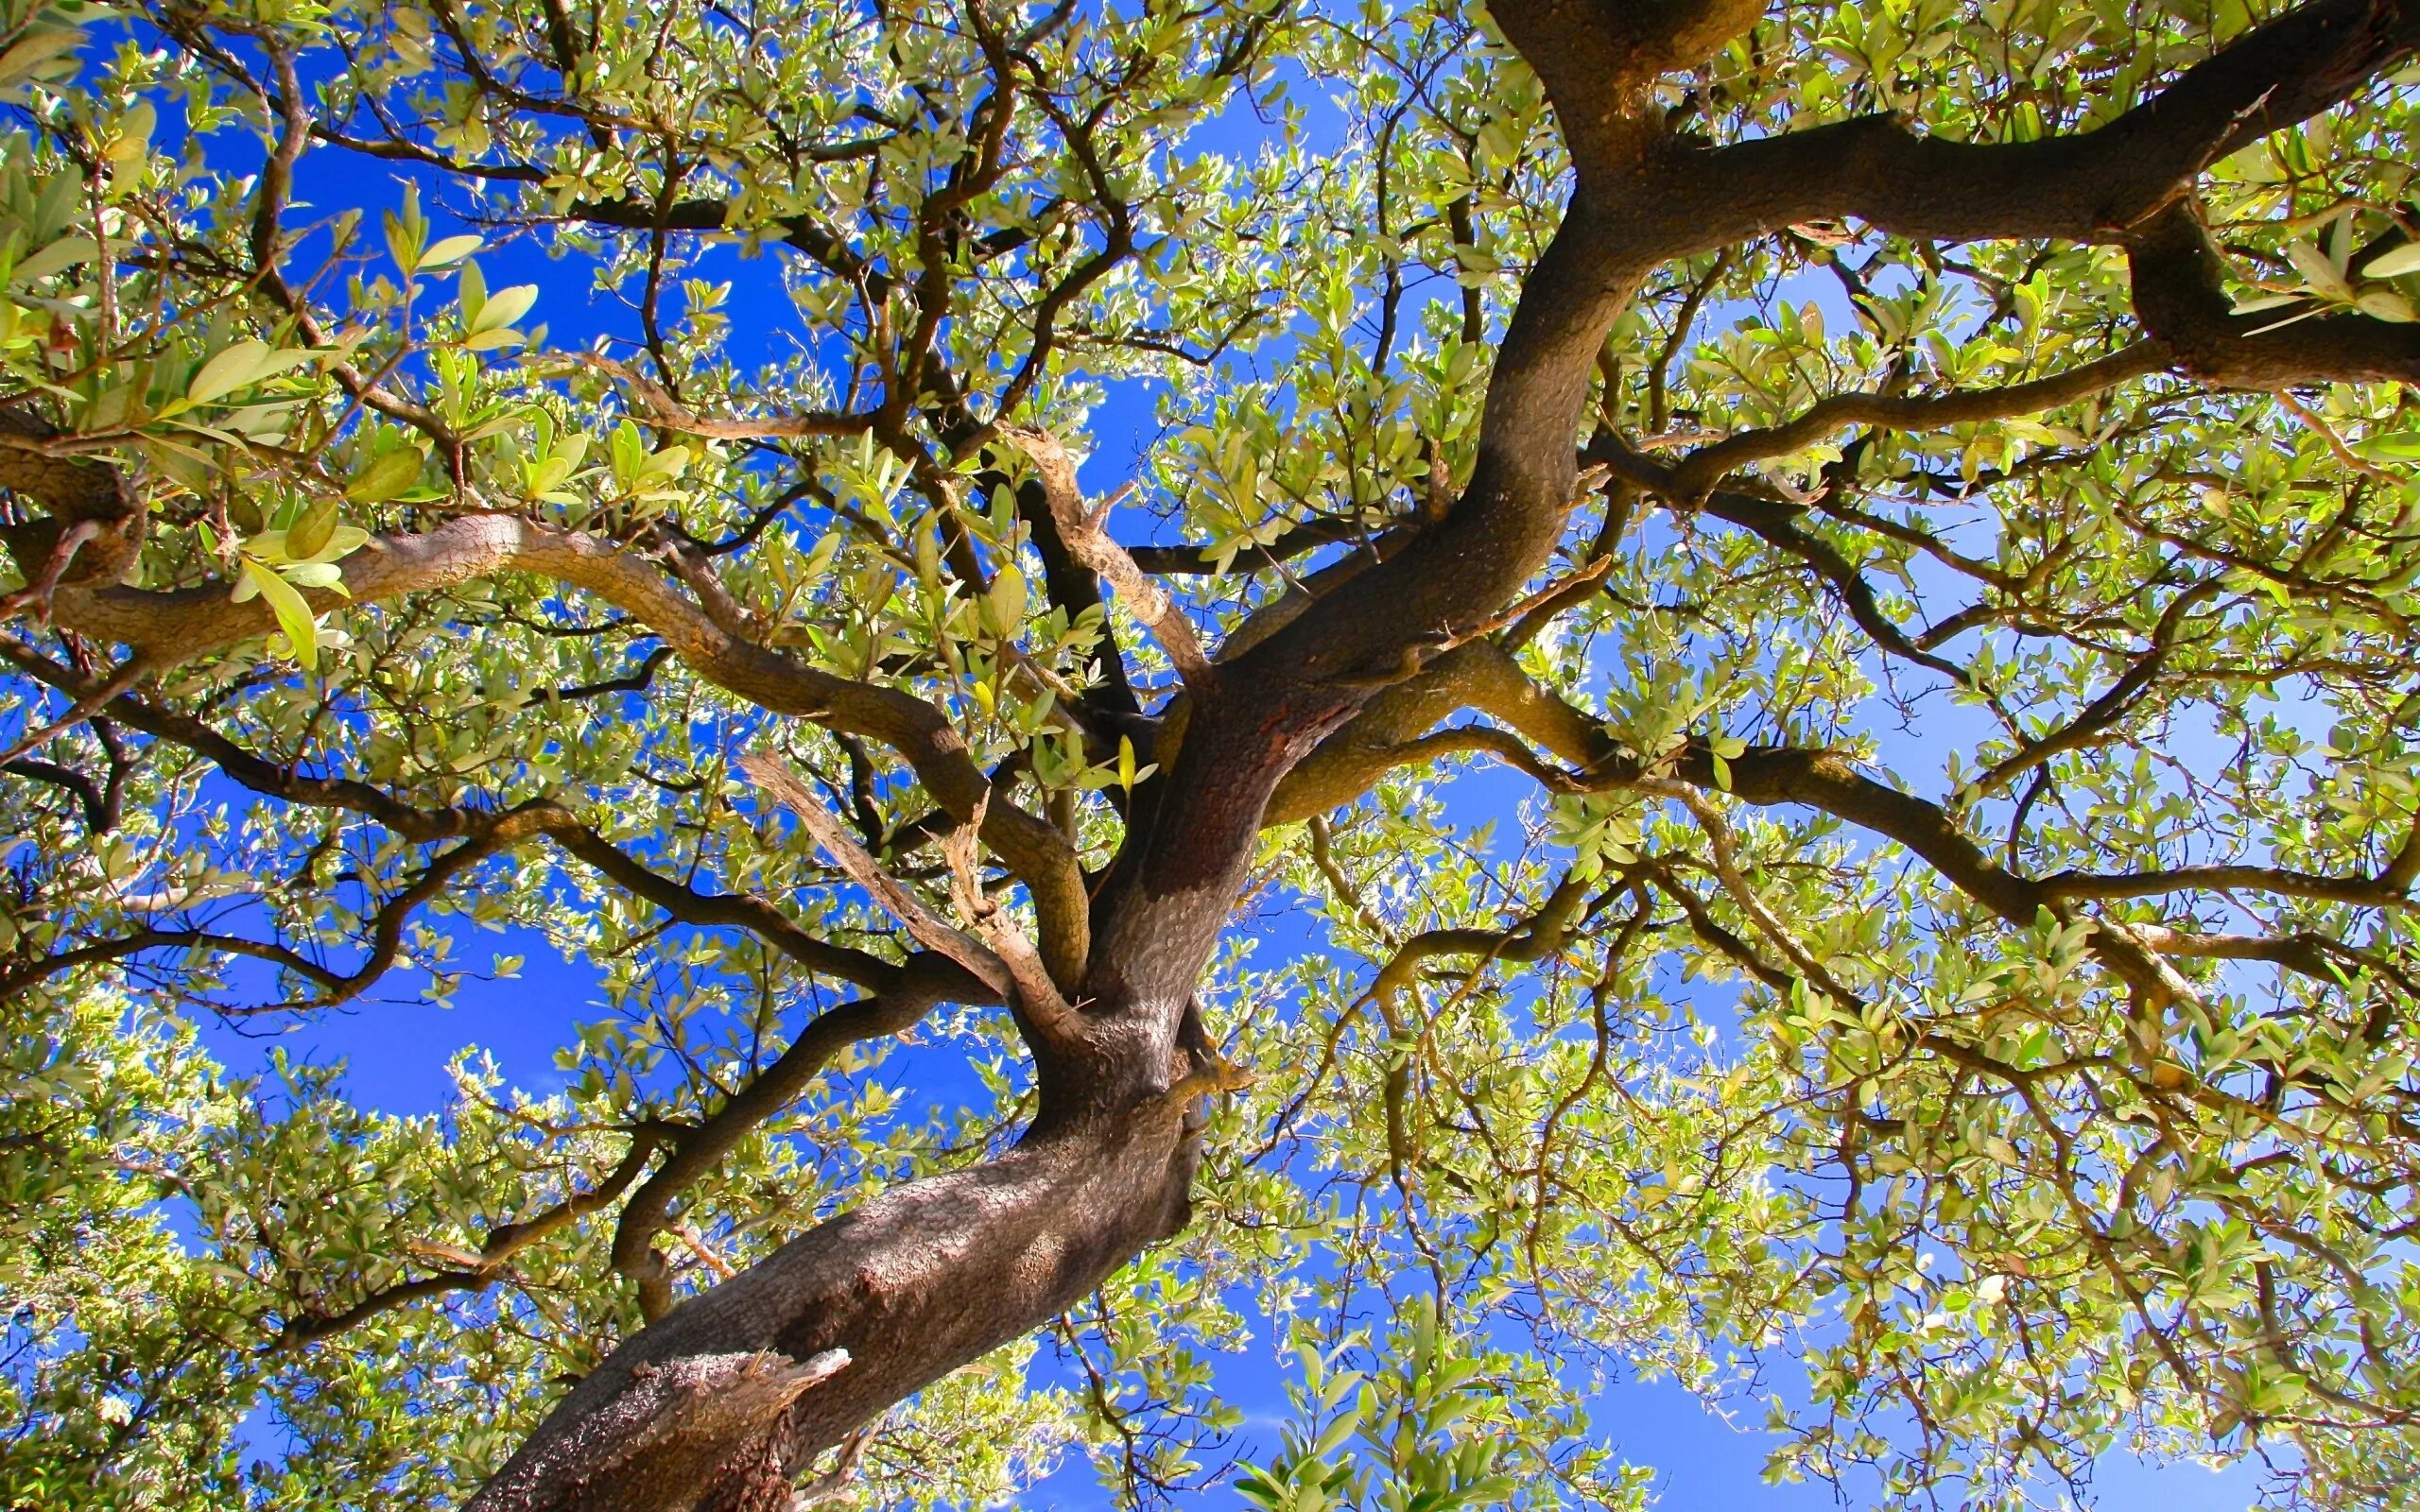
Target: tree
(1901, 514)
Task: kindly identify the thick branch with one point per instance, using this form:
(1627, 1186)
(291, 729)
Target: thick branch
(187, 623)
(1595, 58)
(907, 1287)
(2180, 293)
(2090, 187)
(1530, 939)
(930, 929)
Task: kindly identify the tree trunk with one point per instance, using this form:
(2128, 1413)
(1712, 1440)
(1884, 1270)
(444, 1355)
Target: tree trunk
(718, 1406)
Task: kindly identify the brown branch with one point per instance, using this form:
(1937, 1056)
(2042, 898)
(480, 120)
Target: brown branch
(736, 911)
(1016, 975)
(2383, 892)
(1532, 937)
(494, 1253)
(930, 929)
(1483, 678)
(2091, 187)
(637, 682)
(685, 902)
(1595, 61)
(1734, 881)
(1398, 729)
(183, 623)
(76, 784)
(501, 833)
(2110, 707)
(1700, 472)
(1081, 528)
(914, 988)
(1036, 996)
(2179, 279)
(666, 413)
(1201, 561)
(100, 952)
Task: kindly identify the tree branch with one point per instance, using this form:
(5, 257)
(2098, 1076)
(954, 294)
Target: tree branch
(2090, 187)
(1696, 474)
(1081, 529)
(2180, 293)
(502, 1242)
(915, 987)
(181, 625)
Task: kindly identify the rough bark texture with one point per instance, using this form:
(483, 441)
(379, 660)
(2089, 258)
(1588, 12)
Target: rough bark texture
(928, 1277)
(77, 491)
(718, 1404)
(721, 1404)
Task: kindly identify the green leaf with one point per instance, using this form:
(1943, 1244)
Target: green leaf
(65, 252)
(2397, 446)
(26, 56)
(407, 231)
(2259, 303)
(228, 370)
(62, 200)
(504, 307)
(2394, 261)
(311, 534)
(450, 249)
(325, 575)
(2317, 270)
(133, 134)
(2385, 304)
(293, 615)
(474, 295)
(385, 476)
(1005, 599)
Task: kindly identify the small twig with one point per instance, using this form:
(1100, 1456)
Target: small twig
(833, 1484)
(706, 1257)
(2344, 454)
(1560, 586)
(84, 708)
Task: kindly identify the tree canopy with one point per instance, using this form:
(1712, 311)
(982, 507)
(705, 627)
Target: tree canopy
(1745, 715)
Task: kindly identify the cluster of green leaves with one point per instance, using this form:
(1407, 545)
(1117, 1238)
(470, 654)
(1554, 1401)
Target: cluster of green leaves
(1425, 1436)
(1813, 1104)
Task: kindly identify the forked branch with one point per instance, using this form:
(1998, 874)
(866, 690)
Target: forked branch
(1002, 961)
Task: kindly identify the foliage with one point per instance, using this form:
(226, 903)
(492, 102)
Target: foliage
(1903, 919)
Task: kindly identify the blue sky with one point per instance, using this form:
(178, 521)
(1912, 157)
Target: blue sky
(396, 1049)
(396, 1046)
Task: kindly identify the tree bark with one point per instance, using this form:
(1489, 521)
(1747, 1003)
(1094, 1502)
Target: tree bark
(720, 1405)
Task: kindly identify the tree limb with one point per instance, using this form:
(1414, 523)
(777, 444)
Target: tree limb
(181, 625)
